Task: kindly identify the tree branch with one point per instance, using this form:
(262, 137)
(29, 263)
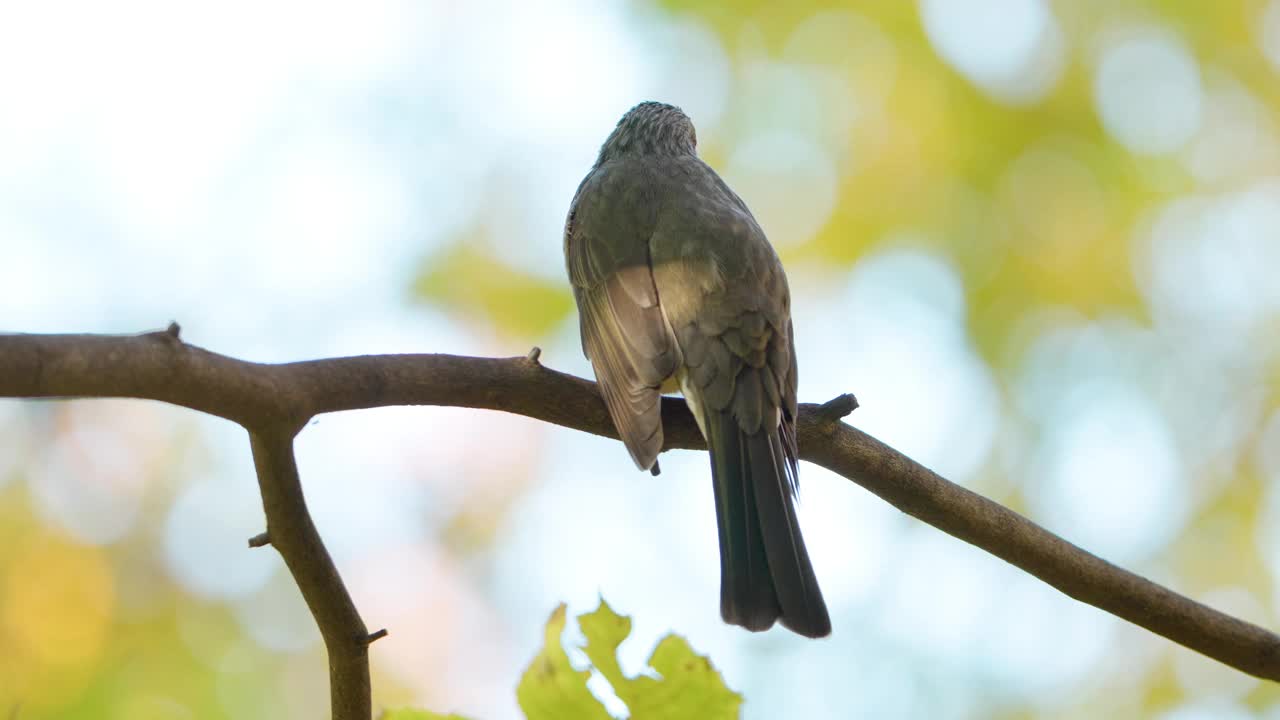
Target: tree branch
(154, 366)
(294, 535)
(160, 366)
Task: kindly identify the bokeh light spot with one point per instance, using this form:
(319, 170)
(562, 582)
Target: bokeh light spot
(1225, 247)
(276, 617)
(1268, 450)
(15, 439)
(1148, 92)
(921, 386)
(57, 602)
(691, 70)
(1268, 528)
(1208, 709)
(1056, 203)
(788, 182)
(1033, 616)
(91, 482)
(205, 535)
(1204, 678)
(1012, 49)
(1269, 35)
(1237, 139)
(1111, 478)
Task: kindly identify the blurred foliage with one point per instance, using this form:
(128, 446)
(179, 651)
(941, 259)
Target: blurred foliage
(1036, 206)
(942, 164)
(470, 278)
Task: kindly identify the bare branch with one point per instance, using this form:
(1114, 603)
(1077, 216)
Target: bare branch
(293, 533)
(159, 366)
(961, 513)
(251, 394)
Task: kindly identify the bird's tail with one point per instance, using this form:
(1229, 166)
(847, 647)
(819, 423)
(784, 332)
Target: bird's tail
(765, 573)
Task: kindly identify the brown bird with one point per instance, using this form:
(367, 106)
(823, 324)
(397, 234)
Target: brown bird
(677, 286)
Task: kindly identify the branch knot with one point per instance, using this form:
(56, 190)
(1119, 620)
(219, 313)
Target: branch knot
(837, 407)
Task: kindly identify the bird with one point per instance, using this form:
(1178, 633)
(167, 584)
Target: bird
(678, 288)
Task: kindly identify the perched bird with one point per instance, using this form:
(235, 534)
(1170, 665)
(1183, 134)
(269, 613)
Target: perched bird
(677, 286)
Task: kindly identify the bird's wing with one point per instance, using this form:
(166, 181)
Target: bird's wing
(624, 333)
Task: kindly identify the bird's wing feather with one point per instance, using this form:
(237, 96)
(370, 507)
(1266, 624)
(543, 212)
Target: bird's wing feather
(624, 332)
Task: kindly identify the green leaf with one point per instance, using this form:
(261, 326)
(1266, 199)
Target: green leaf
(689, 686)
(551, 688)
(685, 687)
(605, 630)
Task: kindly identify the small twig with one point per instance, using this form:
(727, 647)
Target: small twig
(375, 636)
(260, 540)
(837, 407)
(534, 355)
(170, 335)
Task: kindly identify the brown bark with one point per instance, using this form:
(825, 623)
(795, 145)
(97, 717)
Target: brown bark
(273, 401)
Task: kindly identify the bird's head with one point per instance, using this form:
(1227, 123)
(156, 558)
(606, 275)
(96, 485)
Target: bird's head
(651, 128)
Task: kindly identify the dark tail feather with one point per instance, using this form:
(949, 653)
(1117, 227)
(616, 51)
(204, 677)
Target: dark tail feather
(746, 590)
(803, 609)
(765, 573)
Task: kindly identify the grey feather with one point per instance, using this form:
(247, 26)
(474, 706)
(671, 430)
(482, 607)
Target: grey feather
(624, 332)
